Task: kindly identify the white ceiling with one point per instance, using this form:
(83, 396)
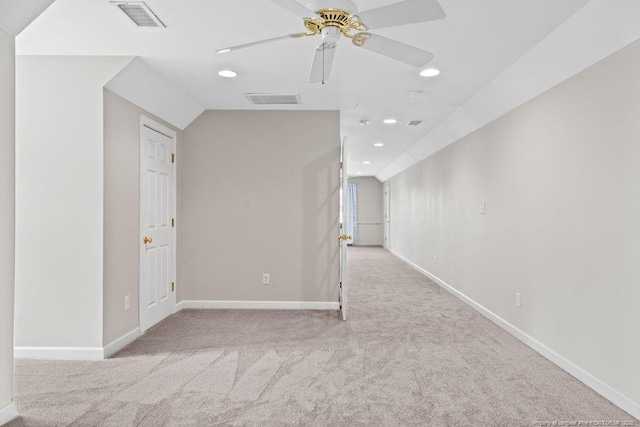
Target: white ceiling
(473, 45)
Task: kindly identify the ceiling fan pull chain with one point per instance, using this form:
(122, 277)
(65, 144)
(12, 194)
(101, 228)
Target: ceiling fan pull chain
(324, 48)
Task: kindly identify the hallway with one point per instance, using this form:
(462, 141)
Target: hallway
(410, 354)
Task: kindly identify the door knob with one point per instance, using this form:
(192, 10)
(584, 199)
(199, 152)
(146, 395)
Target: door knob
(344, 237)
(147, 240)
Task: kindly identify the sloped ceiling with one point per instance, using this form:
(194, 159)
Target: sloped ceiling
(474, 46)
(141, 85)
(16, 15)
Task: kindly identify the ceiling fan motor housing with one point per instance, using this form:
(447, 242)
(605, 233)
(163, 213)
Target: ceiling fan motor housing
(316, 5)
(340, 21)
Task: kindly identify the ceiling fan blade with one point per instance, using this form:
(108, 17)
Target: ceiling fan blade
(275, 39)
(402, 13)
(393, 49)
(322, 62)
(294, 7)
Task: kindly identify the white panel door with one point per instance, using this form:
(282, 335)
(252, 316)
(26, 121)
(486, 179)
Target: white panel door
(344, 238)
(157, 265)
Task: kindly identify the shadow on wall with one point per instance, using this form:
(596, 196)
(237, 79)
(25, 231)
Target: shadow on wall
(321, 212)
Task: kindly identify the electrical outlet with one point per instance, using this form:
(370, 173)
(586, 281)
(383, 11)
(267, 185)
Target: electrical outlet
(266, 278)
(483, 208)
(517, 299)
(127, 303)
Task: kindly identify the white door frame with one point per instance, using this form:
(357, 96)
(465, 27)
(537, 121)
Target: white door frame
(160, 128)
(386, 209)
(344, 258)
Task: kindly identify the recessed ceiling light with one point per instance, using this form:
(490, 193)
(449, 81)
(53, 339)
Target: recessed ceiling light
(390, 121)
(430, 72)
(364, 122)
(227, 73)
(378, 144)
(366, 163)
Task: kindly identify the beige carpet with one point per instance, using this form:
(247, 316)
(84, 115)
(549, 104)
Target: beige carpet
(411, 354)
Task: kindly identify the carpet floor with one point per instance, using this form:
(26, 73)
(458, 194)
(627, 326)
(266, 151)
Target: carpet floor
(410, 354)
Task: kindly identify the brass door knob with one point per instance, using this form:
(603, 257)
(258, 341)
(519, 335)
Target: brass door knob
(344, 237)
(147, 240)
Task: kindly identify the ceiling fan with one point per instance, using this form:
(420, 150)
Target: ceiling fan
(333, 18)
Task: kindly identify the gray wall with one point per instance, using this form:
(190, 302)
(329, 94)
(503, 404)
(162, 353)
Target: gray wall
(7, 200)
(121, 213)
(258, 192)
(560, 177)
(369, 210)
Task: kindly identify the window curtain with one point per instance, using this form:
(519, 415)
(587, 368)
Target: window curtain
(352, 213)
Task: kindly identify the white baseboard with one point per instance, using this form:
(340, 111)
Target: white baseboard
(117, 345)
(258, 305)
(59, 353)
(8, 413)
(76, 353)
(614, 396)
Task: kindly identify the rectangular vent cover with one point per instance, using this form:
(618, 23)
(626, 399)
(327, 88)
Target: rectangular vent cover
(414, 123)
(273, 98)
(139, 13)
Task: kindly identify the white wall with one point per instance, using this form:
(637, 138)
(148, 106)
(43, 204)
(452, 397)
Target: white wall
(258, 192)
(7, 176)
(59, 203)
(121, 213)
(560, 177)
(370, 215)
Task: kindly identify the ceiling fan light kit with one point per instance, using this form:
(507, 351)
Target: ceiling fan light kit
(334, 18)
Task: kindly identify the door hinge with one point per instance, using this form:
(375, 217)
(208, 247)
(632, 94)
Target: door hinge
(173, 222)
(173, 286)
(173, 158)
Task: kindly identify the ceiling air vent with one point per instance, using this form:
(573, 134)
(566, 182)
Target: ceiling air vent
(273, 98)
(139, 13)
(414, 123)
